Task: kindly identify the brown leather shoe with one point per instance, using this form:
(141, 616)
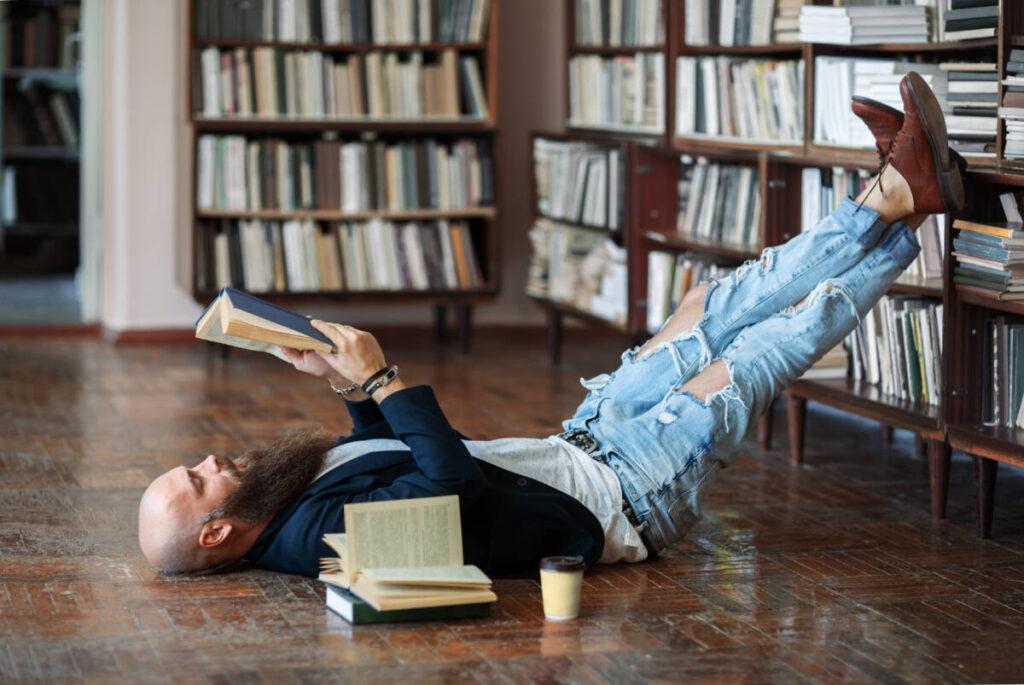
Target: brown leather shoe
(884, 123)
(920, 151)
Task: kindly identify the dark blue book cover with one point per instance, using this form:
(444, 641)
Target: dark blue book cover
(271, 312)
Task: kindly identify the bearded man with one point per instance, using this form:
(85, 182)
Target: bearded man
(627, 476)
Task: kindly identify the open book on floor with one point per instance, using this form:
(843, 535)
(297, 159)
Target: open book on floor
(239, 319)
(405, 554)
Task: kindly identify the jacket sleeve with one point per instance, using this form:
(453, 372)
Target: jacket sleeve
(364, 413)
(445, 465)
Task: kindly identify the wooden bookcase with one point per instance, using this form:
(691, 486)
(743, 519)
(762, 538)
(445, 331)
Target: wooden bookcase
(482, 221)
(652, 175)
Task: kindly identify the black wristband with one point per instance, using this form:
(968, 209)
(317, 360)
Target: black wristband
(369, 381)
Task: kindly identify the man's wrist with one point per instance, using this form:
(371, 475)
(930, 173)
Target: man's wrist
(386, 391)
(352, 391)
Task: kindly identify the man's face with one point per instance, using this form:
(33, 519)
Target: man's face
(192, 493)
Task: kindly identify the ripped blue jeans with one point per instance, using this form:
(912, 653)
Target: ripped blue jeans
(769, 321)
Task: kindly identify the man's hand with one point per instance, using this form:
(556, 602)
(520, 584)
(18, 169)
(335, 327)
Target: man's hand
(307, 361)
(356, 355)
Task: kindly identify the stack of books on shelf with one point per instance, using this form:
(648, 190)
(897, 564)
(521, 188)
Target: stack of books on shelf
(1002, 400)
(837, 79)
(303, 256)
(410, 570)
(786, 25)
(732, 22)
(579, 182)
(990, 256)
(624, 92)
(631, 23)
(898, 346)
(969, 19)
(1012, 109)
(719, 202)
(864, 24)
(578, 267)
(343, 21)
(756, 100)
(970, 106)
(268, 82)
(670, 276)
(251, 174)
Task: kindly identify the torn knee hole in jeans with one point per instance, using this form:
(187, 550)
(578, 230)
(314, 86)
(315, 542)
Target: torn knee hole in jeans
(700, 294)
(715, 382)
(827, 288)
(766, 261)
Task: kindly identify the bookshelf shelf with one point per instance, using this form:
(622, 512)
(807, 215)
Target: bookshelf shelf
(697, 143)
(681, 243)
(351, 125)
(615, 130)
(330, 215)
(974, 298)
(991, 442)
(340, 47)
(40, 72)
(613, 49)
(914, 285)
(788, 49)
(568, 309)
(937, 47)
(41, 152)
(869, 401)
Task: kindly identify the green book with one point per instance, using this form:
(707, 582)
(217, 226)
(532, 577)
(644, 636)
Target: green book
(356, 611)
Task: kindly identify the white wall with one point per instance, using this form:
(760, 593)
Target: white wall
(146, 157)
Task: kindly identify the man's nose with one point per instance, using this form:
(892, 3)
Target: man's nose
(212, 464)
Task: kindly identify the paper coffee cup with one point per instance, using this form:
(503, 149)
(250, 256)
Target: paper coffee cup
(561, 579)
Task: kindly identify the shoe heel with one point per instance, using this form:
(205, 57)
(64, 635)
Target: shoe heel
(952, 185)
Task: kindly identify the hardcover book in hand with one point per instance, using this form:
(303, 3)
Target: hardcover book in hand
(239, 319)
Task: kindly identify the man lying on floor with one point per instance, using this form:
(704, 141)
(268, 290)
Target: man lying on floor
(627, 476)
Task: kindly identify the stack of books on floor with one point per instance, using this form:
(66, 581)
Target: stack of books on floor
(670, 276)
(270, 82)
(343, 21)
(898, 346)
(864, 24)
(580, 268)
(624, 92)
(579, 182)
(1012, 109)
(253, 174)
(401, 560)
(1002, 400)
(304, 256)
(719, 203)
(615, 23)
(822, 190)
(970, 19)
(970, 106)
(732, 22)
(837, 79)
(990, 258)
(757, 100)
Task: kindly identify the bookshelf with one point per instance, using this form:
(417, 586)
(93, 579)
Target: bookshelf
(651, 177)
(399, 81)
(39, 144)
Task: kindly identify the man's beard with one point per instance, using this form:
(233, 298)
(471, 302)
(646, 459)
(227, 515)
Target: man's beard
(270, 477)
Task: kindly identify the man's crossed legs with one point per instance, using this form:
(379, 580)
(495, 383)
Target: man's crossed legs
(676, 409)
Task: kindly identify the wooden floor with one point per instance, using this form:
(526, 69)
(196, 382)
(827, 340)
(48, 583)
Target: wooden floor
(831, 572)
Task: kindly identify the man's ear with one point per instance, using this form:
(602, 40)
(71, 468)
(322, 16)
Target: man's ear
(215, 533)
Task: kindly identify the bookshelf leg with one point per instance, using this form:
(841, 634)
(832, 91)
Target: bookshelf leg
(938, 474)
(441, 324)
(465, 314)
(886, 434)
(984, 493)
(795, 411)
(555, 337)
(764, 428)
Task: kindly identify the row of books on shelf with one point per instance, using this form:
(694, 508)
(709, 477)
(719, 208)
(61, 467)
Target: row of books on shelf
(740, 22)
(306, 256)
(580, 268)
(822, 190)
(864, 24)
(1012, 106)
(47, 37)
(898, 347)
(271, 82)
(719, 202)
(1002, 355)
(626, 91)
(757, 100)
(579, 182)
(335, 22)
(237, 173)
(670, 276)
(966, 92)
(37, 115)
(619, 22)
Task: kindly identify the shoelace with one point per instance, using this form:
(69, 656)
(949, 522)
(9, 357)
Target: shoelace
(885, 158)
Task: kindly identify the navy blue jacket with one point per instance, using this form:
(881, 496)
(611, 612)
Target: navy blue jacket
(509, 522)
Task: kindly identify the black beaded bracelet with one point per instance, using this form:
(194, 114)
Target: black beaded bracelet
(369, 381)
(389, 376)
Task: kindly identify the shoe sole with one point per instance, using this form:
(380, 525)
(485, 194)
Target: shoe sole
(954, 156)
(950, 183)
